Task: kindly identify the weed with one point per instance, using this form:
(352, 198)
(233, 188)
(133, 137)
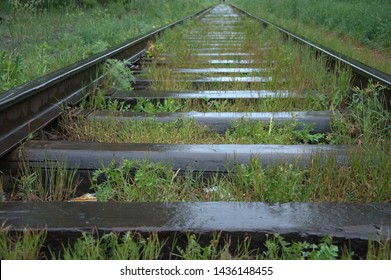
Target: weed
(29, 245)
(11, 69)
(334, 24)
(367, 121)
(194, 251)
(53, 183)
(26, 7)
(118, 75)
(63, 32)
(379, 250)
(113, 246)
(146, 105)
(24, 245)
(135, 181)
(279, 249)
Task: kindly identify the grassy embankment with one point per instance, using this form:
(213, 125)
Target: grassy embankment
(360, 29)
(61, 33)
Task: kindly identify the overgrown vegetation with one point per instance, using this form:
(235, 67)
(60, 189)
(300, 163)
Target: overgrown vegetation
(117, 75)
(133, 246)
(360, 29)
(363, 176)
(11, 70)
(26, 245)
(63, 32)
(54, 182)
(183, 131)
(363, 180)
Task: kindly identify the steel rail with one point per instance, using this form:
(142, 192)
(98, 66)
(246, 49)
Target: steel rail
(29, 107)
(362, 72)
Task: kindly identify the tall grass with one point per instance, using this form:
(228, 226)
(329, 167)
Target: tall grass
(26, 245)
(292, 67)
(362, 178)
(54, 182)
(188, 132)
(360, 29)
(60, 34)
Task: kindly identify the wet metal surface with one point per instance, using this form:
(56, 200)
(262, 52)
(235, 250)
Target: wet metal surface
(220, 70)
(208, 158)
(230, 61)
(341, 220)
(208, 94)
(234, 79)
(221, 122)
(222, 54)
(231, 54)
(226, 45)
(208, 82)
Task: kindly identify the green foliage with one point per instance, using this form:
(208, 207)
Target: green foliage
(292, 132)
(379, 249)
(360, 179)
(353, 28)
(25, 245)
(195, 251)
(185, 131)
(53, 183)
(279, 249)
(134, 181)
(25, 6)
(370, 118)
(367, 21)
(114, 247)
(148, 106)
(11, 69)
(118, 75)
(73, 30)
(368, 121)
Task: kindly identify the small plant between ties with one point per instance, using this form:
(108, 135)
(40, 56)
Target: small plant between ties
(118, 75)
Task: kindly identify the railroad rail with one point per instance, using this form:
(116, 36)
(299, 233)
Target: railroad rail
(218, 65)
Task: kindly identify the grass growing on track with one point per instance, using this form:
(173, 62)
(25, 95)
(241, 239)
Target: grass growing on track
(61, 34)
(286, 61)
(367, 122)
(363, 180)
(187, 132)
(26, 245)
(133, 246)
(307, 102)
(53, 183)
(359, 29)
(363, 177)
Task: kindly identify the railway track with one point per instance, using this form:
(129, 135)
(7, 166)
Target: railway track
(236, 92)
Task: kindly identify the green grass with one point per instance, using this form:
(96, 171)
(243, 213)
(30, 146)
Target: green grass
(359, 29)
(54, 182)
(307, 102)
(286, 61)
(188, 132)
(133, 246)
(61, 34)
(26, 245)
(363, 180)
(367, 122)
